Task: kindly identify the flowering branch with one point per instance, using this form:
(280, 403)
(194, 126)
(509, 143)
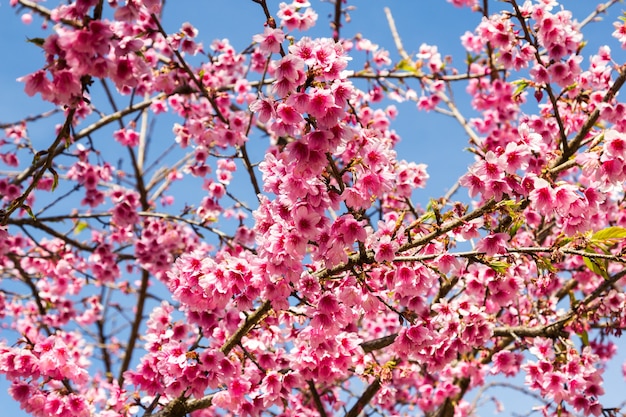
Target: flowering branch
(46, 165)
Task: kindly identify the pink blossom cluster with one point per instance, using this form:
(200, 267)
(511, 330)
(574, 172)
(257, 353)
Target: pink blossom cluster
(303, 278)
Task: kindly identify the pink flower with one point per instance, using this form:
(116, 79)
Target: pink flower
(350, 229)
(126, 137)
(37, 82)
(506, 362)
(264, 109)
(270, 40)
(620, 32)
(493, 244)
(473, 183)
(66, 87)
(385, 249)
(542, 194)
(305, 220)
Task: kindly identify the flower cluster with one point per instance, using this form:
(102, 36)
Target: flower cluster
(305, 277)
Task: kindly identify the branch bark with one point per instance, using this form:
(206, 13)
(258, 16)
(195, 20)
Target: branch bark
(365, 398)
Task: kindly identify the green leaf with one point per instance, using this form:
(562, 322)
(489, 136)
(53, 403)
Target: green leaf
(584, 337)
(544, 264)
(515, 227)
(521, 86)
(405, 65)
(429, 215)
(597, 266)
(499, 266)
(562, 241)
(510, 203)
(470, 59)
(29, 211)
(36, 41)
(609, 233)
(55, 178)
(80, 226)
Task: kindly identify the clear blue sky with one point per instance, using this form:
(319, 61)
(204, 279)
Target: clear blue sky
(427, 138)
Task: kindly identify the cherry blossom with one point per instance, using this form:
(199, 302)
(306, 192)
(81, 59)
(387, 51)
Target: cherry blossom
(225, 230)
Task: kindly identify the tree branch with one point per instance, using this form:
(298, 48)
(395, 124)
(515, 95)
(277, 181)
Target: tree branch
(365, 398)
(28, 172)
(134, 332)
(592, 119)
(46, 165)
(251, 321)
(316, 399)
(336, 25)
(180, 406)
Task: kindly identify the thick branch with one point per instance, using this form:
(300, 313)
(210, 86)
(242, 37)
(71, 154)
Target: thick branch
(361, 259)
(377, 344)
(250, 322)
(316, 399)
(181, 406)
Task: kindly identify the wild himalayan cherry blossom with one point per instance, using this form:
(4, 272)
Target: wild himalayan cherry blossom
(271, 250)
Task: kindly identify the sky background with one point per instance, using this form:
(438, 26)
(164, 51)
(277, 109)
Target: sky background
(428, 138)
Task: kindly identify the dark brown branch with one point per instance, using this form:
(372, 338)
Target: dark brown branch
(336, 25)
(487, 207)
(106, 357)
(316, 399)
(26, 279)
(549, 330)
(592, 119)
(201, 88)
(28, 172)
(250, 322)
(548, 87)
(269, 19)
(359, 259)
(134, 332)
(181, 406)
(40, 224)
(46, 165)
(377, 344)
(525, 250)
(248, 164)
(31, 118)
(365, 398)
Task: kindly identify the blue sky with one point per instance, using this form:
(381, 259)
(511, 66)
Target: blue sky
(426, 138)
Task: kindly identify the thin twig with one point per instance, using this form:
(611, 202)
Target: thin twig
(602, 8)
(31, 118)
(405, 56)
